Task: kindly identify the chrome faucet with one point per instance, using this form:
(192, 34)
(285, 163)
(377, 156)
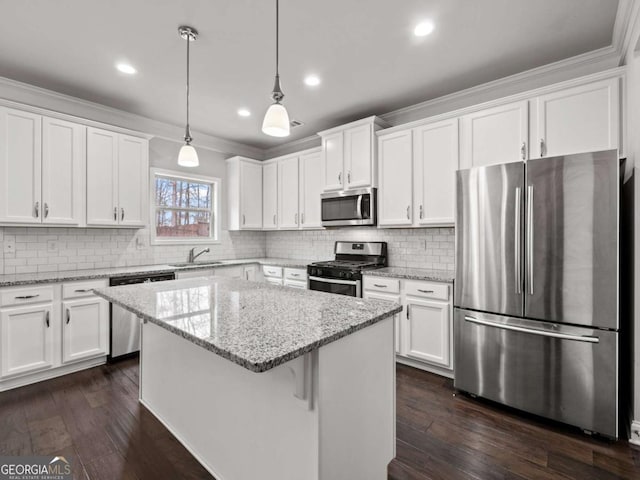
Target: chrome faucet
(193, 255)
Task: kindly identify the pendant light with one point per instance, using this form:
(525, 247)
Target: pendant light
(276, 120)
(188, 157)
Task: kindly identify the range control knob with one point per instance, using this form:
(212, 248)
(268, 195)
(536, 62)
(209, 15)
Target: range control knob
(341, 274)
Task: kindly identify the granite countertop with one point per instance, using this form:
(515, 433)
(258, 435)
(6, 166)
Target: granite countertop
(413, 274)
(256, 325)
(89, 274)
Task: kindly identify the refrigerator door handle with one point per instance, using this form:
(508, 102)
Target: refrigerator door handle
(530, 236)
(542, 333)
(517, 242)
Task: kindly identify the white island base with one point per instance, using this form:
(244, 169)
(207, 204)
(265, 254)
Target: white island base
(328, 415)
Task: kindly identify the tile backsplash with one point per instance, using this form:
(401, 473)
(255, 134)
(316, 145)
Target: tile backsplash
(56, 249)
(407, 247)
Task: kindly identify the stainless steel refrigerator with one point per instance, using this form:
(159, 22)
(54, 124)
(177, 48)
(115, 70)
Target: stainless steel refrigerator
(536, 295)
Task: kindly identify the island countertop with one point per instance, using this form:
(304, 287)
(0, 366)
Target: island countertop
(256, 325)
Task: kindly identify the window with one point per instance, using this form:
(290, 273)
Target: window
(185, 207)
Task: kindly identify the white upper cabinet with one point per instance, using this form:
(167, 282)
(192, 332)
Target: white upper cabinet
(495, 135)
(396, 178)
(117, 179)
(311, 172)
(42, 160)
(288, 179)
(102, 170)
(133, 178)
(435, 161)
(20, 166)
(349, 155)
(244, 193)
(575, 120)
(270, 196)
(358, 157)
(63, 171)
(333, 155)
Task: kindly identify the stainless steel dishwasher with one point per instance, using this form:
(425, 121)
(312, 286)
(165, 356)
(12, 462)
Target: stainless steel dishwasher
(125, 328)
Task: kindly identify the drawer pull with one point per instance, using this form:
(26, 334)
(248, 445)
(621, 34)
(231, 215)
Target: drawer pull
(82, 290)
(379, 286)
(425, 291)
(26, 297)
(294, 274)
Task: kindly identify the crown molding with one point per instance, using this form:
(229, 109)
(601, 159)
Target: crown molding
(306, 143)
(59, 104)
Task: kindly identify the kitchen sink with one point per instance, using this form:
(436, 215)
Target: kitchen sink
(195, 264)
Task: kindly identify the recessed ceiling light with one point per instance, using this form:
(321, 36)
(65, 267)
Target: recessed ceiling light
(312, 80)
(126, 68)
(243, 112)
(423, 29)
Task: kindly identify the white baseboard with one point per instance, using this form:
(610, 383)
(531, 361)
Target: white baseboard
(444, 372)
(21, 381)
(635, 432)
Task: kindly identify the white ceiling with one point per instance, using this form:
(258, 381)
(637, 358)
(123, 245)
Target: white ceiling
(364, 51)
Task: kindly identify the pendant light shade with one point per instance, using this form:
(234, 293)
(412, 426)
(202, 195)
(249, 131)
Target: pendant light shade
(276, 120)
(188, 157)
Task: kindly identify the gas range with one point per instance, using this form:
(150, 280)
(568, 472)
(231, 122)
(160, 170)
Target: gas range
(344, 274)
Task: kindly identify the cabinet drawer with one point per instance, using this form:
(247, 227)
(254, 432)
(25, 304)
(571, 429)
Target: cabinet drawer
(382, 284)
(297, 274)
(439, 291)
(275, 272)
(273, 281)
(81, 289)
(20, 296)
(295, 284)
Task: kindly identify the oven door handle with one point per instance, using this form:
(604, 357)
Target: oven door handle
(334, 280)
(359, 207)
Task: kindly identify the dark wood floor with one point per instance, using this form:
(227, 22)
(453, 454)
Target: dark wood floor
(94, 418)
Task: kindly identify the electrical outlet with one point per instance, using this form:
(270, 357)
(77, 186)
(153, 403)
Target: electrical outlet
(52, 246)
(140, 243)
(9, 246)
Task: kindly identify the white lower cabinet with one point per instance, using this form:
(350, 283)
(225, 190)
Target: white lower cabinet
(424, 329)
(289, 277)
(50, 330)
(85, 328)
(428, 335)
(27, 339)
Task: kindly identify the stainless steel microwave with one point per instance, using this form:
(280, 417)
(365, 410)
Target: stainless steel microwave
(351, 207)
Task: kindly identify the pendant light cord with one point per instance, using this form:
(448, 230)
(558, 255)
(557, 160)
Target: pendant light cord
(277, 35)
(188, 129)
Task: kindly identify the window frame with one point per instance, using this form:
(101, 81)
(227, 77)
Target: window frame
(214, 230)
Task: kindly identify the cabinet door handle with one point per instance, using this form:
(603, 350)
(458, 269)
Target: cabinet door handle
(37, 209)
(121, 214)
(523, 150)
(46, 210)
(115, 213)
(407, 312)
(68, 316)
(379, 286)
(425, 291)
(421, 212)
(26, 297)
(244, 220)
(542, 147)
(302, 216)
(409, 212)
(340, 178)
(349, 177)
(296, 218)
(274, 219)
(46, 318)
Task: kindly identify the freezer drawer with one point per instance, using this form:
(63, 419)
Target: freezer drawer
(564, 373)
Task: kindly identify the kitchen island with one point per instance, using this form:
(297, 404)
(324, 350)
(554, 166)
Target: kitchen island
(269, 382)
